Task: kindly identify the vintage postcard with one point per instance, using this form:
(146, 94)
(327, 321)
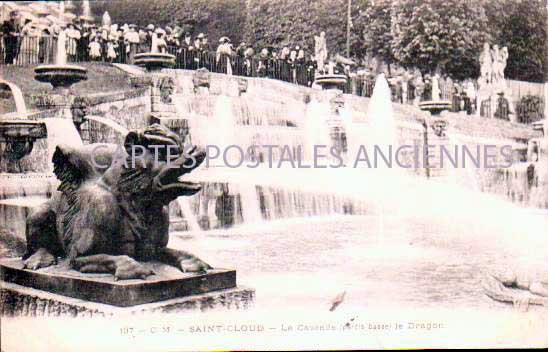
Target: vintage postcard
(273, 175)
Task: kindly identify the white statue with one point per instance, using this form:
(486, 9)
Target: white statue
(61, 10)
(500, 64)
(61, 58)
(106, 19)
(495, 53)
(486, 62)
(69, 6)
(436, 96)
(86, 10)
(154, 47)
(320, 50)
(330, 67)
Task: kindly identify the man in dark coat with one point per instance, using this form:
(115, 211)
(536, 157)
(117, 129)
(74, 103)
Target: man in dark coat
(202, 48)
(188, 51)
(240, 49)
(82, 44)
(11, 31)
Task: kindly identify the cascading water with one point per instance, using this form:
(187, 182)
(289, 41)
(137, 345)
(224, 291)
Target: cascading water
(21, 109)
(250, 205)
(241, 123)
(103, 130)
(382, 125)
(316, 131)
(109, 123)
(460, 174)
(453, 220)
(381, 137)
(61, 57)
(20, 192)
(289, 191)
(191, 220)
(524, 182)
(539, 193)
(61, 131)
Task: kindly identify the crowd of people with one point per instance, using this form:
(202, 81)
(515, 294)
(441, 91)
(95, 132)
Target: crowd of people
(35, 43)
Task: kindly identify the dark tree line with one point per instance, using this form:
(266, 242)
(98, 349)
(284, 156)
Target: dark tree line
(217, 18)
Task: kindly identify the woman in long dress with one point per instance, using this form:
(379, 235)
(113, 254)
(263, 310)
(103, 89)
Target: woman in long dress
(45, 46)
(112, 45)
(95, 50)
(224, 53)
(73, 35)
(28, 54)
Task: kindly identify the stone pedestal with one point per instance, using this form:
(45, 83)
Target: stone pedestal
(161, 94)
(57, 290)
(20, 301)
(61, 77)
(162, 91)
(488, 98)
(58, 102)
(437, 137)
(331, 103)
(201, 81)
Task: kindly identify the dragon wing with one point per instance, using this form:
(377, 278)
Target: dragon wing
(73, 166)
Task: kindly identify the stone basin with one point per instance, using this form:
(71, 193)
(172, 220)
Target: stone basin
(60, 75)
(155, 61)
(329, 81)
(435, 107)
(21, 129)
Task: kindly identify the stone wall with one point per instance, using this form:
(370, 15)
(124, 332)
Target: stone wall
(258, 102)
(273, 92)
(127, 109)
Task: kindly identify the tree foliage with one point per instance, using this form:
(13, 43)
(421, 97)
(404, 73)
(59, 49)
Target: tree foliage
(439, 34)
(377, 34)
(279, 23)
(215, 17)
(521, 26)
